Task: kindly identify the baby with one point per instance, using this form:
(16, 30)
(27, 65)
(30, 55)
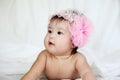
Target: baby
(67, 31)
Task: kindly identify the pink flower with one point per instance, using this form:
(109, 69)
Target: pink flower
(80, 30)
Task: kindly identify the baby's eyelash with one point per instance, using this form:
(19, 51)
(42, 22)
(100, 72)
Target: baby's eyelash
(59, 33)
(49, 31)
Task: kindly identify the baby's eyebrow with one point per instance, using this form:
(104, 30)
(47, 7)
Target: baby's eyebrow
(49, 27)
(61, 29)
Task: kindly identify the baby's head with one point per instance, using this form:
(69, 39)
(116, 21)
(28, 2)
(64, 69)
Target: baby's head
(75, 25)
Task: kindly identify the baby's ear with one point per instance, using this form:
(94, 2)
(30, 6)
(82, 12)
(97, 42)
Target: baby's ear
(73, 46)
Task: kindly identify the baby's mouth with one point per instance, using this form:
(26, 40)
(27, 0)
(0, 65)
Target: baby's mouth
(51, 43)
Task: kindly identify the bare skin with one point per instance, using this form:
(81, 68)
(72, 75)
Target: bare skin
(60, 67)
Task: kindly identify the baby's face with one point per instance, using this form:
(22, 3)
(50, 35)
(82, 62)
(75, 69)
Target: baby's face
(58, 38)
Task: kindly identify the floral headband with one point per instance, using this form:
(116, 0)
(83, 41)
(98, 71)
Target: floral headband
(80, 26)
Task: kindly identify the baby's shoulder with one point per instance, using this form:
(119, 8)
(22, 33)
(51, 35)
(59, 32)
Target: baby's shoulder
(44, 53)
(79, 56)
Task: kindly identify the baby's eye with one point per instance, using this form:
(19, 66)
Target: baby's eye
(49, 31)
(59, 33)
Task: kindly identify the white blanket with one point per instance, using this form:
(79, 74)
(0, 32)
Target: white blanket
(23, 25)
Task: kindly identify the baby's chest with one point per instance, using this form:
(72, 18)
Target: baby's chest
(67, 67)
(62, 69)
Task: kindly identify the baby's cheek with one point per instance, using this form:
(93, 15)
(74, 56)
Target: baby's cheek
(46, 41)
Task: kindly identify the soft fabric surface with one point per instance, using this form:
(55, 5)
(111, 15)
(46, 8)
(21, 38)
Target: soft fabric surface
(23, 25)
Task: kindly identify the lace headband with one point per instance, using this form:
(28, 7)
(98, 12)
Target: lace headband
(80, 26)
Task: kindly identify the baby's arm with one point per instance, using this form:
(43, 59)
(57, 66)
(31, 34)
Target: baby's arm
(84, 68)
(37, 68)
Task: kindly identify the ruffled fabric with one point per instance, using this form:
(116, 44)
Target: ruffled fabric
(80, 30)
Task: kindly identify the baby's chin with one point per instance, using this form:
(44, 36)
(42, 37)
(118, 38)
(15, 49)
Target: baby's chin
(51, 51)
(54, 53)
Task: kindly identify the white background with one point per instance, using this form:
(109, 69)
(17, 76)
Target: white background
(23, 25)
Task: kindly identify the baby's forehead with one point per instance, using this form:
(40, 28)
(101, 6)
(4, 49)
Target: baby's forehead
(59, 24)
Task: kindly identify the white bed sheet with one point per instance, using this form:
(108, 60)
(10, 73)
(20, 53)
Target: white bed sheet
(23, 25)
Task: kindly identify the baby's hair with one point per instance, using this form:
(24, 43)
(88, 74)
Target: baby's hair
(60, 19)
(74, 50)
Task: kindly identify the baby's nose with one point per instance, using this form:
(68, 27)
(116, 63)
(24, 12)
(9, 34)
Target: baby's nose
(52, 35)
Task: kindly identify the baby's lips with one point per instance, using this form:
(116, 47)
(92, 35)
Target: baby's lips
(51, 43)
